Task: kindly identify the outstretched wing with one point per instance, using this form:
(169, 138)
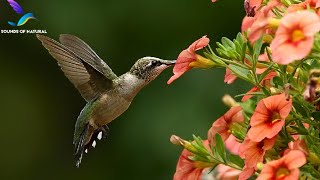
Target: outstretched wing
(85, 52)
(89, 81)
(16, 7)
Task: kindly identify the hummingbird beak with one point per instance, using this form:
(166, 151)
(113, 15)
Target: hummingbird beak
(168, 62)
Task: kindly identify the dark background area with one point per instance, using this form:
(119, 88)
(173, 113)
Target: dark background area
(39, 106)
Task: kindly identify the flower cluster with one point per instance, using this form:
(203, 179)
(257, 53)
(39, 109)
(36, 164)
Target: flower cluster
(273, 131)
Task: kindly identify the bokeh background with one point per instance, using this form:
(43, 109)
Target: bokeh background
(39, 106)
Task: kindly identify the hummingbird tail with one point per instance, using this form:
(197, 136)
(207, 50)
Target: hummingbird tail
(93, 135)
(80, 146)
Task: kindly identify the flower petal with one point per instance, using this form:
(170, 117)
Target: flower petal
(284, 49)
(248, 95)
(295, 159)
(227, 173)
(182, 64)
(232, 144)
(246, 173)
(259, 132)
(174, 77)
(199, 44)
(275, 128)
(268, 143)
(229, 78)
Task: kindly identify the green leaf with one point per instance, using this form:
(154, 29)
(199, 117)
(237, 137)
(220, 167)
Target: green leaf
(251, 93)
(250, 48)
(243, 52)
(221, 46)
(240, 72)
(248, 107)
(215, 59)
(265, 91)
(309, 169)
(302, 106)
(316, 115)
(235, 160)
(198, 158)
(257, 48)
(197, 140)
(220, 147)
(227, 42)
(277, 81)
(299, 130)
(293, 83)
(239, 38)
(238, 47)
(265, 73)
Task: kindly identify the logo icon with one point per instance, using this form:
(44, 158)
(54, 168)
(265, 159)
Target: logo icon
(18, 9)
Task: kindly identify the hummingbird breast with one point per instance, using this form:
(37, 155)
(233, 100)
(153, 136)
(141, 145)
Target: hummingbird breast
(108, 107)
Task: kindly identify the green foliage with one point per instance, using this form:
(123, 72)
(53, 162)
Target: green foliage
(227, 158)
(234, 50)
(248, 108)
(214, 156)
(298, 81)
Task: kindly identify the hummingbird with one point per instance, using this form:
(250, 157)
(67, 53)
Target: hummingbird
(107, 95)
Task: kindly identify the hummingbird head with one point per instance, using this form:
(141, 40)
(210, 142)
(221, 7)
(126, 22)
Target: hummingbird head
(148, 68)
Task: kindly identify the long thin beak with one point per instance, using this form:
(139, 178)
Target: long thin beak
(168, 62)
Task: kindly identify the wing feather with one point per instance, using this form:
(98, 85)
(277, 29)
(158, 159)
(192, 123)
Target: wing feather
(88, 80)
(86, 53)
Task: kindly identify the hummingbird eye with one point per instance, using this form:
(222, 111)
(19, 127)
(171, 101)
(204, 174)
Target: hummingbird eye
(155, 63)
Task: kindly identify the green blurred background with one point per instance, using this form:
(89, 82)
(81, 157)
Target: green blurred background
(39, 106)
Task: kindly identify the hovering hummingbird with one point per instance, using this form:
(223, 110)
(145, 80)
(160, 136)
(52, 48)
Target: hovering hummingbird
(107, 95)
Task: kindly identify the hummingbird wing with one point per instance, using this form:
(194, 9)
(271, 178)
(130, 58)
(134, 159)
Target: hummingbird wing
(85, 52)
(89, 81)
(15, 6)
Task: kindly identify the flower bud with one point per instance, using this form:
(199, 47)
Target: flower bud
(229, 101)
(275, 91)
(274, 22)
(260, 165)
(176, 140)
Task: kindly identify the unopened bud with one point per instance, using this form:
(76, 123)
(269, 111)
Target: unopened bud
(267, 38)
(181, 142)
(275, 91)
(177, 140)
(260, 166)
(274, 22)
(229, 101)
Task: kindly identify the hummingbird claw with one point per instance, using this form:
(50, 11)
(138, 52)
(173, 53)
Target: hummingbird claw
(86, 151)
(94, 143)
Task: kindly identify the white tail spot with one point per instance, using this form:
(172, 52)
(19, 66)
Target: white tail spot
(94, 144)
(99, 135)
(86, 151)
